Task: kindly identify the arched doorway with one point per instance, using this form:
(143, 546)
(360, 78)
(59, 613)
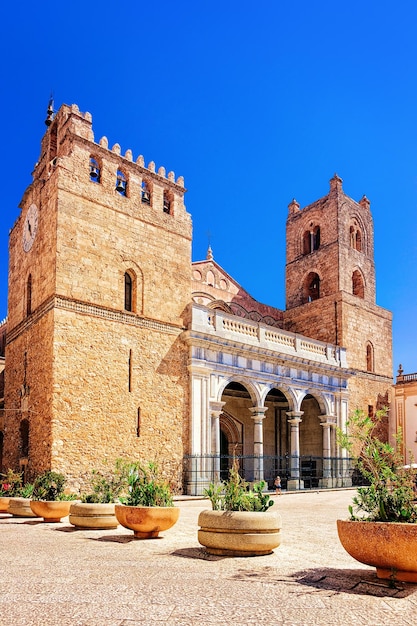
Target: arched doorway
(276, 438)
(311, 442)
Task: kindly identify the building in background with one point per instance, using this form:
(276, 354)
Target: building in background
(404, 413)
(118, 346)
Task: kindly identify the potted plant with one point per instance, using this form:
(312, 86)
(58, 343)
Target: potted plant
(240, 522)
(96, 509)
(19, 502)
(148, 507)
(382, 529)
(10, 484)
(49, 499)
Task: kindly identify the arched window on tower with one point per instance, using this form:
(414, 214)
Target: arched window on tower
(370, 366)
(29, 295)
(130, 290)
(306, 242)
(355, 237)
(121, 183)
(312, 287)
(358, 241)
(146, 192)
(167, 203)
(316, 238)
(358, 288)
(95, 173)
(311, 240)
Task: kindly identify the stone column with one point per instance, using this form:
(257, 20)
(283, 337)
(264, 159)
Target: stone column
(327, 423)
(215, 412)
(294, 421)
(258, 415)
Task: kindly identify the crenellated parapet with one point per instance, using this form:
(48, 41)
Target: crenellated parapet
(69, 143)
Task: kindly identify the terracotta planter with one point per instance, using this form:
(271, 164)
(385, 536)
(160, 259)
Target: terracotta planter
(146, 521)
(4, 504)
(93, 515)
(239, 533)
(51, 510)
(20, 507)
(389, 546)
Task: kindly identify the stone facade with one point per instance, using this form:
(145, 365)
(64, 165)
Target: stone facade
(118, 346)
(330, 288)
(96, 379)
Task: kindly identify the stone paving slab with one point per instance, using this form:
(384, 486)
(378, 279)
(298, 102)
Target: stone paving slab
(55, 575)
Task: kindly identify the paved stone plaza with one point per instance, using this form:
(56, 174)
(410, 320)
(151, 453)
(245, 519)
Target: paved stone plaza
(52, 574)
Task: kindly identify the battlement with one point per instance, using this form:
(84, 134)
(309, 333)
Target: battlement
(69, 119)
(68, 146)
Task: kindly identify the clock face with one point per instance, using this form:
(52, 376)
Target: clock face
(30, 227)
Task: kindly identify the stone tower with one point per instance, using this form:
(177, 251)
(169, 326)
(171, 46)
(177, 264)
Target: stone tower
(99, 279)
(330, 289)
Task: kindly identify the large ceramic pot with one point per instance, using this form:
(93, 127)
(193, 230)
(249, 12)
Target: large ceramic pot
(20, 507)
(4, 504)
(146, 521)
(391, 547)
(93, 515)
(239, 533)
(51, 510)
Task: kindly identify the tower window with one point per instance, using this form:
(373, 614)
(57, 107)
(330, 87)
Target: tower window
(121, 183)
(29, 295)
(312, 287)
(128, 292)
(370, 366)
(167, 203)
(311, 240)
(358, 288)
(95, 173)
(146, 192)
(355, 236)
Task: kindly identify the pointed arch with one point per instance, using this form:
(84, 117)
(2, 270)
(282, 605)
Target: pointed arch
(358, 284)
(370, 361)
(311, 287)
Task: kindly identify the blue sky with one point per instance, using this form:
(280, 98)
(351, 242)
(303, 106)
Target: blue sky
(253, 103)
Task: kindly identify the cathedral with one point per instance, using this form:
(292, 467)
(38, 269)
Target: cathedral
(117, 345)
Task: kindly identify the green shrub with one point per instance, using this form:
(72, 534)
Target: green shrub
(234, 494)
(107, 486)
(50, 486)
(391, 492)
(146, 487)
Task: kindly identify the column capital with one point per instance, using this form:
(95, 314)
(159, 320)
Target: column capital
(216, 408)
(258, 412)
(294, 417)
(328, 420)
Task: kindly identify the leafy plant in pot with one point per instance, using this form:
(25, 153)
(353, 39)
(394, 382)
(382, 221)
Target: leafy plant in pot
(240, 522)
(16, 494)
(96, 509)
(382, 529)
(49, 498)
(10, 485)
(148, 507)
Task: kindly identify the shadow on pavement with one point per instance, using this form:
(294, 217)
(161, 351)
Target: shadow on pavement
(354, 581)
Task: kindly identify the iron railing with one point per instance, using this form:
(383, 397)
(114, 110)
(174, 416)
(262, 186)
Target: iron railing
(302, 472)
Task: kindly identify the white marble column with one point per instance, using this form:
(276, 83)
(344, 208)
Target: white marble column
(328, 423)
(215, 412)
(258, 415)
(295, 482)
